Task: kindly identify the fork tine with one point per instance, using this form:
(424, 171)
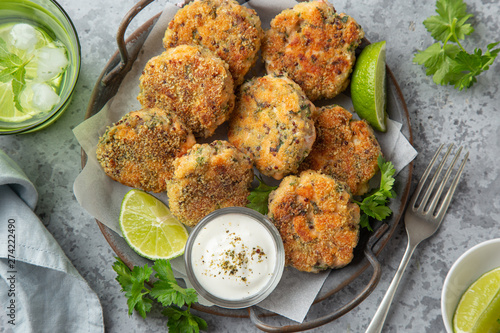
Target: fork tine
(423, 179)
(451, 190)
(443, 183)
(434, 179)
(423, 202)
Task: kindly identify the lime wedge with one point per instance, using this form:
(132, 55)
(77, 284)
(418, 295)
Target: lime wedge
(9, 113)
(479, 308)
(368, 86)
(149, 228)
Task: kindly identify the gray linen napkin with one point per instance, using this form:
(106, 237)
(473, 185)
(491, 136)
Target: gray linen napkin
(40, 290)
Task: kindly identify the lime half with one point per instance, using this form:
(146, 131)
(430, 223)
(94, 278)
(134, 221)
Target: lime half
(368, 85)
(149, 228)
(479, 308)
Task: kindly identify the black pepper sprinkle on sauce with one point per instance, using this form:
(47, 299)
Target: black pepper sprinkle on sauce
(232, 262)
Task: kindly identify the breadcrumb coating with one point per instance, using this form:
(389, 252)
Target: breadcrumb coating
(209, 177)
(139, 149)
(345, 149)
(231, 31)
(317, 221)
(314, 46)
(194, 83)
(272, 122)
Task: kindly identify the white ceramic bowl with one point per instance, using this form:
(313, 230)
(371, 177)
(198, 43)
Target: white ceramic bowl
(467, 269)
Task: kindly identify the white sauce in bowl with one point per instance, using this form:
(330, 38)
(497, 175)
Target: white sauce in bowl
(233, 257)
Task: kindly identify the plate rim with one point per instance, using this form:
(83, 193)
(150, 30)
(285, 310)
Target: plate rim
(113, 239)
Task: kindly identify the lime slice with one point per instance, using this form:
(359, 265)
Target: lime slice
(9, 113)
(479, 308)
(368, 86)
(149, 228)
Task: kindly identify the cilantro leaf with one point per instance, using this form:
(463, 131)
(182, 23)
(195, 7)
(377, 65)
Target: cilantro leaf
(469, 66)
(387, 180)
(180, 321)
(164, 270)
(259, 196)
(374, 204)
(449, 24)
(168, 293)
(165, 290)
(132, 282)
(438, 60)
(451, 63)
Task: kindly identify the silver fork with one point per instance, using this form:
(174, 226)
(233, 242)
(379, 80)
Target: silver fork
(422, 219)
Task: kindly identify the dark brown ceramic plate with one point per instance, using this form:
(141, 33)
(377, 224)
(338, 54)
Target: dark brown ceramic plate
(370, 244)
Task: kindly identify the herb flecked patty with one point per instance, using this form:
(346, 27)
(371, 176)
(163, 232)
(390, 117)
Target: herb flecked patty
(345, 149)
(194, 83)
(209, 177)
(317, 221)
(314, 46)
(272, 122)
(138, 150)
(231, 31)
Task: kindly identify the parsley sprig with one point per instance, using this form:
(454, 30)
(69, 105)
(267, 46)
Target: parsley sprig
(259, 196)
(374, 204)
(450, 63)
(165, 290)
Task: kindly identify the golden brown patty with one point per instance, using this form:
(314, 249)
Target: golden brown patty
(209, 177)
(344, 149)
(314, 46)
(194, 83)
(230, 30)
(138, 150)
(273, 123)
(318, 223)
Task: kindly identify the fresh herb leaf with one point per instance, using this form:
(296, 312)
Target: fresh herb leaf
(451, 63)
(165, 290)
(469, 66)
(180, 321)
(164, 271)
(13, 70)
(438, 60)
(7, 73)
(374, 204)
(450, 23)
(132, 282)
(259, 197)
(18, 83)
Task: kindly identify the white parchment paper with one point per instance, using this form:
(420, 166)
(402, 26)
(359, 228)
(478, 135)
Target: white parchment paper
(101, 196)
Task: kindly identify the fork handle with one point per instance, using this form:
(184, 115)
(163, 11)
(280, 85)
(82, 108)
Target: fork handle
(378, 320)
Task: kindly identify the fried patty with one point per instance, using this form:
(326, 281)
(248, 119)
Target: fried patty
(228, 29)
(272, 122)
(317, 221)
(314, 46)
(194, 83)
(209, 177)
(345, 149)
(138, 150)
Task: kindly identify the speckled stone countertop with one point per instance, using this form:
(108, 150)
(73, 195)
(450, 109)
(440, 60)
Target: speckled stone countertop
(438, 114)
